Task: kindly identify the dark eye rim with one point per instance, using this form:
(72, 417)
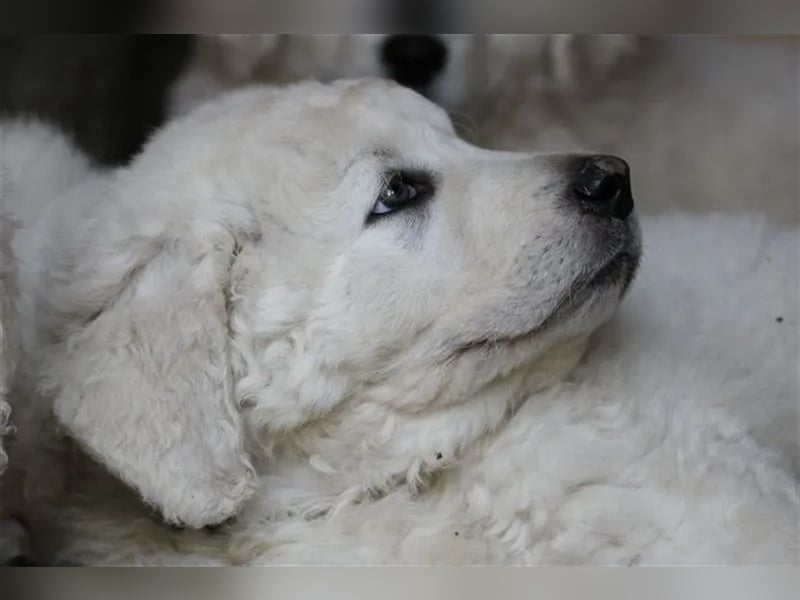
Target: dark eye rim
(423, 181)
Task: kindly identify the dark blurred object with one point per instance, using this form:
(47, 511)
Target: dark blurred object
(414, 60)
(420, 16)
(78, 16)
(107, 91)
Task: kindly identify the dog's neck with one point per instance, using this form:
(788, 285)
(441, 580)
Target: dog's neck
(365, 450)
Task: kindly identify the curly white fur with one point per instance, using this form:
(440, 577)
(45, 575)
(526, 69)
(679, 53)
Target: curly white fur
(218, 309)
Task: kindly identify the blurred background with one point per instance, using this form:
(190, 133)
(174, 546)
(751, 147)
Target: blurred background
(107, 91)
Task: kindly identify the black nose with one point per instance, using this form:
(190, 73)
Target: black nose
(603, 186)
(414, 60)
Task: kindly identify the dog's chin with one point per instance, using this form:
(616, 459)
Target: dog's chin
(598, 291)
(614, 276)
(582, 306)
(591, 299)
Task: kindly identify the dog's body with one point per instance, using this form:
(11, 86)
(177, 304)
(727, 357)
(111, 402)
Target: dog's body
(220, 309)
(8, 331)
(669, 445)
(710, 123)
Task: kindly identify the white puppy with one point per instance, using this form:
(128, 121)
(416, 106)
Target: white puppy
(316, 308)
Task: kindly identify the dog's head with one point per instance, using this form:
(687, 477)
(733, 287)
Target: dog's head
(331, 269)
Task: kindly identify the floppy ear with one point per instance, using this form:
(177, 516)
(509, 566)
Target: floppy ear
(145, 386)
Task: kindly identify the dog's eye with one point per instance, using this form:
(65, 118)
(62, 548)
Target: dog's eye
(401, 189)
(394, 194)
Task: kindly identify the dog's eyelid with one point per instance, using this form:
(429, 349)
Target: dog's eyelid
(372, 159)
(383, 153)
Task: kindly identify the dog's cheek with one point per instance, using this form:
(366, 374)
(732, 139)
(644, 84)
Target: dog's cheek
(301, 393)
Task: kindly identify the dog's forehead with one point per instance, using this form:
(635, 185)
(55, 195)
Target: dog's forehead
(329, 122)
(367, 103)
(392, 99)
(345, 117)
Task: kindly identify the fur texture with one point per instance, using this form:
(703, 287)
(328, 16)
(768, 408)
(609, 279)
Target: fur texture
(219, 309)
